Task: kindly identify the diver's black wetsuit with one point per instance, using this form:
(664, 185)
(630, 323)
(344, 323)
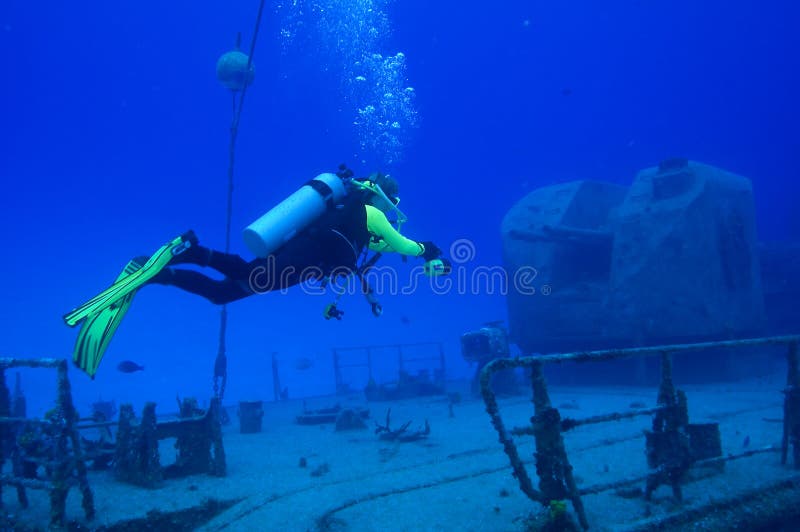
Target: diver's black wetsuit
(332, 244)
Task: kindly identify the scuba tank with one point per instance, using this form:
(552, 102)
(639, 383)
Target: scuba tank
(293, 214)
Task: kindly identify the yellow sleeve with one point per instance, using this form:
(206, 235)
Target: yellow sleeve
(390, 239)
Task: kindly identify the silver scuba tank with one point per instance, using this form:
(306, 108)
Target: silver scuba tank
(293, 214)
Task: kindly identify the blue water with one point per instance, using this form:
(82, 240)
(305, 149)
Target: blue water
(115, 139)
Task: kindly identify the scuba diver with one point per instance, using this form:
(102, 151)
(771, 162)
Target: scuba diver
(322, 232)
(329, 247)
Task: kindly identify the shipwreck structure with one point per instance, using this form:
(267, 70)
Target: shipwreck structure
(44, 454)
(414, 362)
(673, 258)
(198, 441)
(675, 448)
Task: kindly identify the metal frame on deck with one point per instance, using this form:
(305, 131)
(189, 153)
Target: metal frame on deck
(668, 451)
(64, 461)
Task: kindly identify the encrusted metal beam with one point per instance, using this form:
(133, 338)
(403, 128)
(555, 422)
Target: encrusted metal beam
(7, 362)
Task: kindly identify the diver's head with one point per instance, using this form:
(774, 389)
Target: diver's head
(390, 189)
(387, 183)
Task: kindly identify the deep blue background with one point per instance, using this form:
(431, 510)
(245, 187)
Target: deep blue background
(115, 136)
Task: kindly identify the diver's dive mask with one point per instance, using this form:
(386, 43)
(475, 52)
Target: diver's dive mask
(386, 203)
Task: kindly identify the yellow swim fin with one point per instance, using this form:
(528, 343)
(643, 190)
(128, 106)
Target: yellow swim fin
(98, 329)
(128, 283)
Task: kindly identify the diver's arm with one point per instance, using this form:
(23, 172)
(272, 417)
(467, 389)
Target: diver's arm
(392, 240)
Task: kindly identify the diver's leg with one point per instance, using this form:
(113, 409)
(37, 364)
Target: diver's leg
(218, 292)
(287, 267)
(291, 265)
(228, 264)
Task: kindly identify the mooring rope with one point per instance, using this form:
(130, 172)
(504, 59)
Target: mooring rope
(221, 362)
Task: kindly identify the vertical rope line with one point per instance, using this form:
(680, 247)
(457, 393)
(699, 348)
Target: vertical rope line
(221, 362)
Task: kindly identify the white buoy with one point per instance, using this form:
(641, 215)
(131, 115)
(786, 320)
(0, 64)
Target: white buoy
(232, 70)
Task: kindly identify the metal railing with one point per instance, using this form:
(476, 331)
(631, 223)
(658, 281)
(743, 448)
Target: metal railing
(364, 359)
(669, 456)
(56, 439)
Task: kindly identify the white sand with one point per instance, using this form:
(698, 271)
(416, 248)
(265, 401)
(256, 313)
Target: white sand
(452, 480)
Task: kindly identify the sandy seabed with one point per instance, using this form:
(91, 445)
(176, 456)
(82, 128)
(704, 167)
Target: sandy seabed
(458, 478)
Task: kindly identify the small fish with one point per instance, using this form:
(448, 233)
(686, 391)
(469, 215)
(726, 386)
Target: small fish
(129, 366)
(405, 320)
(566, 91)
(303, 363)
(746, 442)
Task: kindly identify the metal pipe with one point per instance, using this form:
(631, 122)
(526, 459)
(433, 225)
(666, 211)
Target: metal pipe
(610, 354)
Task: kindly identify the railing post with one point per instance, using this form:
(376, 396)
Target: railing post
(60, 471)
(791, 408)
(510, 449)
(552, 464)
(667, 445)
(68, 411)
(5, 432)
(218, 464)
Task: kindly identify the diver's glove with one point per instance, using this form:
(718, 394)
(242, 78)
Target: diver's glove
(431, 252)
